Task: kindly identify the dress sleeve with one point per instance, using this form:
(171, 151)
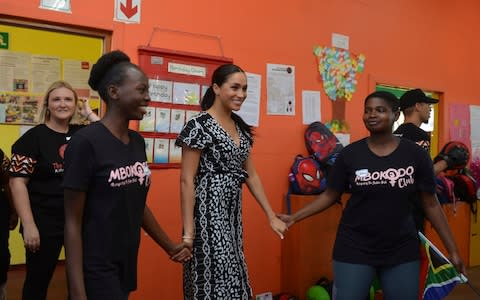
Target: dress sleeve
(25, 153)
(78, 164)
(194, 135)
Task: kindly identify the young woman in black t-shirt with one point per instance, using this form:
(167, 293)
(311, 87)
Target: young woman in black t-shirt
(36, 172)
(106, 183)
(377, 234)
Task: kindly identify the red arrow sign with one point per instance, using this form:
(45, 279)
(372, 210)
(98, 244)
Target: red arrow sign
(128, 10)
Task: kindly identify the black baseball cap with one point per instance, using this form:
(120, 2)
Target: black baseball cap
(410, 98)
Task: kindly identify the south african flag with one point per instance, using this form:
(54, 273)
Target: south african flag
(441, 276)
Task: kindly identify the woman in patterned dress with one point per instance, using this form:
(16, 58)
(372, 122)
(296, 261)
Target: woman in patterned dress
(215, 162)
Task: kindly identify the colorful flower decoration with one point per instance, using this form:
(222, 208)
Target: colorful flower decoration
(338, 68)
(337, 126)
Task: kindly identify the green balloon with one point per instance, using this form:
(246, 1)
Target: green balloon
(317, 292)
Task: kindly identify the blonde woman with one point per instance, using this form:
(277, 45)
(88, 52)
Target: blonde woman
(36, 172)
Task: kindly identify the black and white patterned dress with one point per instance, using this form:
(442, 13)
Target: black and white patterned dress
(218, 269)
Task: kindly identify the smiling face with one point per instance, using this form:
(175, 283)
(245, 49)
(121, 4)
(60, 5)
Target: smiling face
(61, 104)
(378, 116)
(132, 96)
(233, 91)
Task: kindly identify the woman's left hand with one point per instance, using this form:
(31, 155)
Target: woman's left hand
(278, 226)
(456, 260)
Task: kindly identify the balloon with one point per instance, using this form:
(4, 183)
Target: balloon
(317, 292)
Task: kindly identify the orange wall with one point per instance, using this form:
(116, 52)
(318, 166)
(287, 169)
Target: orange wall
(430, 44)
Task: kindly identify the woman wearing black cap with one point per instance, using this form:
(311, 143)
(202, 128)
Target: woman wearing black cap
(106, 183)
(377, 234)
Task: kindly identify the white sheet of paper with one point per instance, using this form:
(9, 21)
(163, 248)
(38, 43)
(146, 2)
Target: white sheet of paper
(280, 90)
(250, 110)
(474, 123)
(311, 107)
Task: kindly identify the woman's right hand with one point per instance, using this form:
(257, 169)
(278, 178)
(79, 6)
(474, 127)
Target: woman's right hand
(31, 237)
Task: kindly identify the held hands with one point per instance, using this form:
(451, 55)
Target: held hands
(31, 238)
(288, 219)
(278, 226)
(181, 253)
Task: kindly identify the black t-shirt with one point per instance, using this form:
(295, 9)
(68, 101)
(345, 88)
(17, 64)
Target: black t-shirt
(116, 178)
(377, 227)
(414, 133)
(38, 155)
(419, 136)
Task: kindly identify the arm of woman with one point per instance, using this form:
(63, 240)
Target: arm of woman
(86, 111)
(437, 218)
(255, 186)
(21, 201)
(74, 206)
(189, 168)
(177, 252)
(322, 202)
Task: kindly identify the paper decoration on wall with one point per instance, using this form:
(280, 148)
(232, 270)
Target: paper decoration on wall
(338, 68)
(338, 126)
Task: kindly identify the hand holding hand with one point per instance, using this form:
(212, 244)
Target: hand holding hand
(278, 226)
(181, 253)
(31, 237)
(287, 219)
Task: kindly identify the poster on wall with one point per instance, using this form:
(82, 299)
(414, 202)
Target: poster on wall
(475, 130)
(311, 107)
(45, 70)
(460, 123)
(20, 108)
(15, 68)
(280, 89)
(250, 110)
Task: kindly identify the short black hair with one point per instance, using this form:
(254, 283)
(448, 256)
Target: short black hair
(391, 99)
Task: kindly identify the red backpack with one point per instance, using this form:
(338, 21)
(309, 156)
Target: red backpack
(322, 143)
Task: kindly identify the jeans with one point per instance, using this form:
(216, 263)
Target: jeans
(353, 281)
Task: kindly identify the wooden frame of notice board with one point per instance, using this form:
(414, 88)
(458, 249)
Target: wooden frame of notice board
(177, 82)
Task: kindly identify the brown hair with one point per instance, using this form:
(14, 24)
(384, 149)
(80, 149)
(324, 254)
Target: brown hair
(45, 114)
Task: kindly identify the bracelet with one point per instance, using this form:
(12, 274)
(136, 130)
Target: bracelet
(186, 237)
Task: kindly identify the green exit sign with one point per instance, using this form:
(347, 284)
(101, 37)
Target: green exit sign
(3, 40)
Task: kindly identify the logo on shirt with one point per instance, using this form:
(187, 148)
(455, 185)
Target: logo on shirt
(136, 173)
(401, 177)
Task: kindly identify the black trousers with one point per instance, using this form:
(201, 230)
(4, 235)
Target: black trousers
(40, 267)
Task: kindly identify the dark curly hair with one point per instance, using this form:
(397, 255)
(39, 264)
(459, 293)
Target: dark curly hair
(110, 69)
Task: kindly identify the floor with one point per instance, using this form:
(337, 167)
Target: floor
(58, 290)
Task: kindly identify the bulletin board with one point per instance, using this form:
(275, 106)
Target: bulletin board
(177, 82)
(67, 45)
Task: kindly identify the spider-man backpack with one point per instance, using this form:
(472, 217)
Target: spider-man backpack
(322, 143)
(307, 176)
